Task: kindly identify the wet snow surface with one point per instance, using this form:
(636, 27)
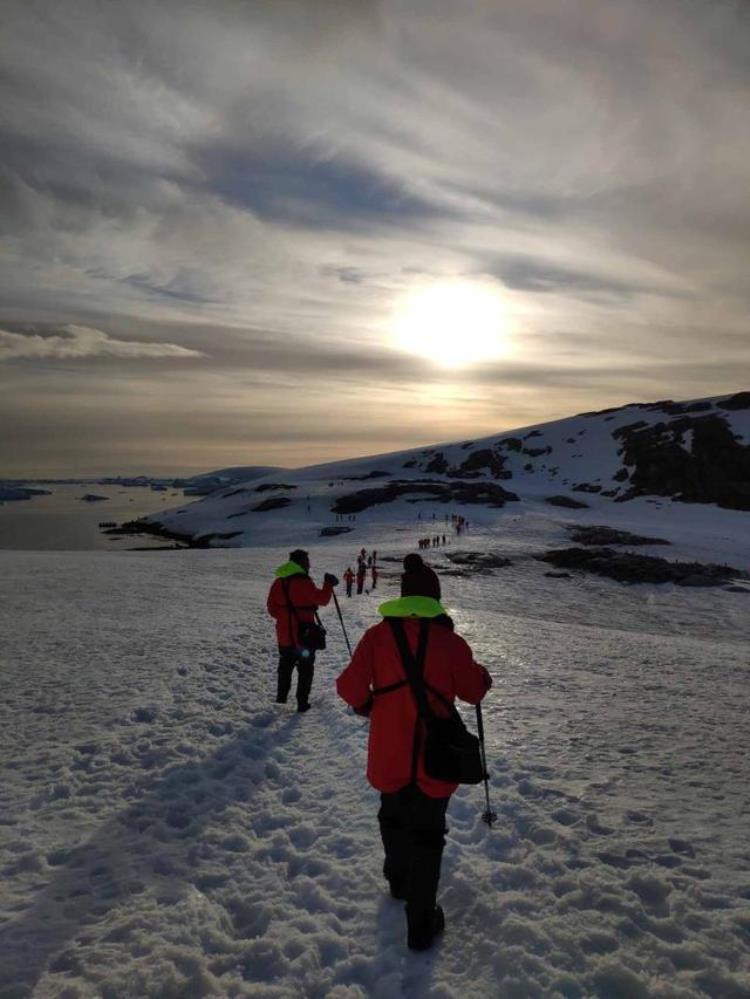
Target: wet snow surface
(165, 830)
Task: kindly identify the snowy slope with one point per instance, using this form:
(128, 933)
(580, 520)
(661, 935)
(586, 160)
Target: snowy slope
(209, 482)
(165, 831)
(583, 457)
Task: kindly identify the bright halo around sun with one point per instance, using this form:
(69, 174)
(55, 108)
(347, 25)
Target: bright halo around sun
(453, 323)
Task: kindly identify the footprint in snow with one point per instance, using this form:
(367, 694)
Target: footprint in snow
(639, 817)
(681, 846)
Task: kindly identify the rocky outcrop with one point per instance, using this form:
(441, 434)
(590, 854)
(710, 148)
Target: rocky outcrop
(714, 468)
(479, 562)
(484, 460)
(268, 487)
(374, 474)
(596, 535)
(487, 493)
(511, 443)
(272, 503)
(437, 464)
(626, 567)
(740, 400)
(567, 502)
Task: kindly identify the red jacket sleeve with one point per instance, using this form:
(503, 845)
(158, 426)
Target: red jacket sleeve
(273, 604)
(471, 681)
(307, 592)
(355, 683)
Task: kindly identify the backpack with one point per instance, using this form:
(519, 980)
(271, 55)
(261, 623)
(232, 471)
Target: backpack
(311, 634)
(451, 751)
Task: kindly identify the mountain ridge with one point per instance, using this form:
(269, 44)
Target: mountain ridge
(696, 451)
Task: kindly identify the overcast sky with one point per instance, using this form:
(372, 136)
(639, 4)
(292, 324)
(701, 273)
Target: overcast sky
(212, 212)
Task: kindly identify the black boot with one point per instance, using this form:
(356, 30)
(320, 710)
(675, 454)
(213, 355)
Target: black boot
(287, 659)
(423, 926)
(424, 916)
(305, 672)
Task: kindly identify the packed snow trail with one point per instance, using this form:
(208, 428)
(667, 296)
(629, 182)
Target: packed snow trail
(165, 830)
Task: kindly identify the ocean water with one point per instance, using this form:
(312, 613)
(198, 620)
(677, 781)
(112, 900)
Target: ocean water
(64, 522)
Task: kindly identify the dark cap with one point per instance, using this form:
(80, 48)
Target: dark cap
(418, 579)
(300, 557)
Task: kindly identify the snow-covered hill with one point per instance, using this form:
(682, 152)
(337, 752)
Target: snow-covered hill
(222, 478)
(693, 452)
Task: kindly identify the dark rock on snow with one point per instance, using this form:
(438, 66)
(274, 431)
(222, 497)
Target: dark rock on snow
(482, 562)
(273, 503)
(627, 567)
(715, 469)
(598, 535)
(740, 400)
(425, 491)
(566, 501)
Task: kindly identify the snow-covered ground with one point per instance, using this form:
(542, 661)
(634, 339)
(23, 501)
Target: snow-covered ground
(166, 831)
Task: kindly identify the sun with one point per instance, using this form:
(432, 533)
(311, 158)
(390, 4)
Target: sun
(455, 323)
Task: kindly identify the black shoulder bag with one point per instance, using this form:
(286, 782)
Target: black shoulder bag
(311, 634)
(451, 751)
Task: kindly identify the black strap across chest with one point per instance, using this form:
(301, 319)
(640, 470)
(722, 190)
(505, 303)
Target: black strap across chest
(413, 663)
(414, 668)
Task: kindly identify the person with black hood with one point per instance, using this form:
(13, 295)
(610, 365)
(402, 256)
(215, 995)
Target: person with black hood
(293, 602)
(413, 804)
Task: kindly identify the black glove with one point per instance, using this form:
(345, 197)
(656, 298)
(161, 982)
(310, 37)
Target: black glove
(366, 708)
(330, 579)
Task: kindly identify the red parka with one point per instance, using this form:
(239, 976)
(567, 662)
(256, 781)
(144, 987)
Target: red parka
(449, 668)
(304, 596)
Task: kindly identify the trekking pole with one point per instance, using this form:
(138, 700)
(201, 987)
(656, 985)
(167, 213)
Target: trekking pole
(343, 626)
(489, 815)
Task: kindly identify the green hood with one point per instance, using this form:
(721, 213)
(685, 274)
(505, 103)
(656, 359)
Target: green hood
(412, 607)
(289, 569)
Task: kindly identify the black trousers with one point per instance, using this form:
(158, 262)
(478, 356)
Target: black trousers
(289, 657)
(412, 827)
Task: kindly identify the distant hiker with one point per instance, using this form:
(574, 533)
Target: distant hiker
(444, 539)
(369, 561)
(361, 577)
(374, 573)
(349, 580)
(293, 601)
(413, 804)
(374, 558)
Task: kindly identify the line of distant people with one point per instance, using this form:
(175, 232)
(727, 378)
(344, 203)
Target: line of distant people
(365, 563)
(433, 542)
(459, 524)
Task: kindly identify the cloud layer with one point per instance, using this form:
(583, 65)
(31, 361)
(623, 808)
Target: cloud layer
(77, 342)
(261, 184)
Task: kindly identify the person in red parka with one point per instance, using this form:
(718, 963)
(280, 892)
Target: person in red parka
(413, 804)
(293, 599)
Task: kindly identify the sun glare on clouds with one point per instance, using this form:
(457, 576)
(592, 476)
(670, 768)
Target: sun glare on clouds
(455, 323)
